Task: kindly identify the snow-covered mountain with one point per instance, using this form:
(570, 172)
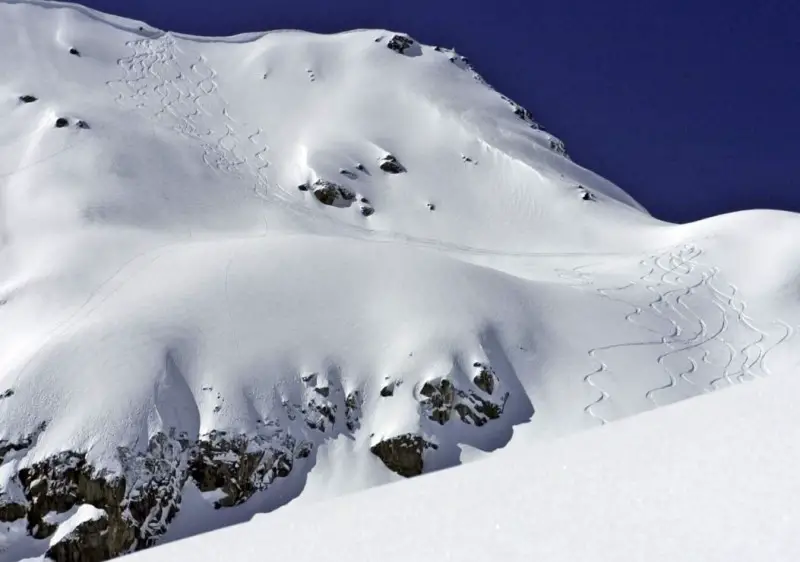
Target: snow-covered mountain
(237, 272)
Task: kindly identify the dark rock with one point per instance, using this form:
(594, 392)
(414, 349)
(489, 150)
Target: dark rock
(388, 390)
(88, 542)
(74, 51)
(302, 187)
(27, 98)
(390, 164)
(403, 454)
(364, 200)
(431, 207)
(348, 173)
(485, 379)
(558, 147)
(352, 410)
(323, 391)
(333, 194)
(239, 466)
(12, 512)
(400, 43)
(61, 122)
(585, 194)
(441, 398)
(6, 394)
(361, 168)
(367, 211)
(82, 125)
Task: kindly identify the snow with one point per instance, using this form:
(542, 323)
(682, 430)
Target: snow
(82, 514)
(161, 271)
(711, 479)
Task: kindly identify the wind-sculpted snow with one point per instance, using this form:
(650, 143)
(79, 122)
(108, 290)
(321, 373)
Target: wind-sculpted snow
(239, 272)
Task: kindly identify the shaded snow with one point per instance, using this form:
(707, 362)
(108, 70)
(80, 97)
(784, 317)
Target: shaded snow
(712, 479)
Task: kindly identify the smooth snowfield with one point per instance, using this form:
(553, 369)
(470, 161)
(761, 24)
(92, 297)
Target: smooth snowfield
(713, 479)
(162, 272)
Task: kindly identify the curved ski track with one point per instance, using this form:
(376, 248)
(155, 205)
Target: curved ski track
(668, 275)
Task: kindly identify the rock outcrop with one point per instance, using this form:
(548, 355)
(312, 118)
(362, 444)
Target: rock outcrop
(141, 500)
(400, 43)
(333, 194)
(403, 454)
(391, 165)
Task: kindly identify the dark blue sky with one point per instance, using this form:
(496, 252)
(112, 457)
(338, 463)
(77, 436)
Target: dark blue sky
(692, 106)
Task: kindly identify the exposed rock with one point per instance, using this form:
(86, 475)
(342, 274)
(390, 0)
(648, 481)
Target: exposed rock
(82, 124)
(367, 211)
(431, 207)
(403, 454)
(485, 379)
(400, 43)
(74, 51)
(441, 398)
(240, 466)
(389, 388)
(467, 159)
(61, 122)
(361, 168)
(23, 443)
(352, 410)
(302, 187)
(142, 499)
(12, 511)
(347, 173)
(6, 394)
(585, 194)
(558, 147)
(27, 98)
(90, 541)
(333, 194)
(390, 164)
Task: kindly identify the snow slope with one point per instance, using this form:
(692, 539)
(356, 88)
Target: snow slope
(183, 317)
(713, 479)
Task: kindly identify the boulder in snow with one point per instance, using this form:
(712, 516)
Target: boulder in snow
(391, 165)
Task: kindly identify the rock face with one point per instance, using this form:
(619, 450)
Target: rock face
(141, 500)
(391, 165)
(238, 466)
(585, 194)
(557, 146)
(333, 194)
(400, 43)
(475, 404)
(440, 398)
(403, 454)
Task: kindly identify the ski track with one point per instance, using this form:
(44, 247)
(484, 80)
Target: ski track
(675, 278)
(186, 98)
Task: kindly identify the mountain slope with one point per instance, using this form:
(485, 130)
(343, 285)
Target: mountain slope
(628, 491)
(231, 265)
